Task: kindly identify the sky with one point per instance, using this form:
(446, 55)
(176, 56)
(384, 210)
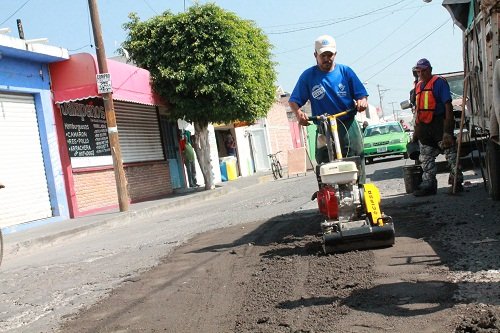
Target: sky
(380, 40)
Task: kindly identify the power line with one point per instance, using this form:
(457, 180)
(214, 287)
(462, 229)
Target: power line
(348, 32)
(428, 35)
(388, 35)
(362, 26)
(15, 12)
(335, 22)
(147, 4)
(80, 48)
(89, 26)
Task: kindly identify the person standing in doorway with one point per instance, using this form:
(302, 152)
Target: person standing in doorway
(332, 88)
(434, 126)
(230, 145)
(189, 159)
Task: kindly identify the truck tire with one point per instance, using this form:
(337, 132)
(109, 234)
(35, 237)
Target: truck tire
(492, 169)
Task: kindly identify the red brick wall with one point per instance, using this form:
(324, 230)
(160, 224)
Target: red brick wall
(148, 181)
(95, 189)
(279, 130)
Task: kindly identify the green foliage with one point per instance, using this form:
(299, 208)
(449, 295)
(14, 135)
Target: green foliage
(210, 65)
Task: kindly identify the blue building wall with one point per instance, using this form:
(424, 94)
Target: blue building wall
(32, 77)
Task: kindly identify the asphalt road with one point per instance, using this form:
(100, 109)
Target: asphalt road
(251, 261)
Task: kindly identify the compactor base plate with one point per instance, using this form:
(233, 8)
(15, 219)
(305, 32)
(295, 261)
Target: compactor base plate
(374, 237)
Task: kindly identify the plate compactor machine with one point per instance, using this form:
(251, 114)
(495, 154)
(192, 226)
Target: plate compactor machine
(353, 219)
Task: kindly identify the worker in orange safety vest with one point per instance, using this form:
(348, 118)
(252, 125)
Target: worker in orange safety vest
(434, 126)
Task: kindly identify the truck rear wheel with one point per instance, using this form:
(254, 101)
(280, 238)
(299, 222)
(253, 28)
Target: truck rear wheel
(492, 171)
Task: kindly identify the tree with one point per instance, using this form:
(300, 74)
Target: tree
(209, 64)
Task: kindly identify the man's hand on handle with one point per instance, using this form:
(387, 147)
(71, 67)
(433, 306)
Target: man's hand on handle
(302, 118)
(299, 114)
(362, 104)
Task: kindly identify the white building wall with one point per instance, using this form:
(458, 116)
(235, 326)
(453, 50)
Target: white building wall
(214, 156)
(245, 161)
(369, 115)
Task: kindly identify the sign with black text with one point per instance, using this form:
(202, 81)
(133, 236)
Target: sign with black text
(104, 83)
(86, 132)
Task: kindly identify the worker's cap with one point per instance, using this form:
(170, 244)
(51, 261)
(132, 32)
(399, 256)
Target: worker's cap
(423, 64)
(325, 43)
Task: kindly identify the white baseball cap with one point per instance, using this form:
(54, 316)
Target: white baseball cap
(325, 43)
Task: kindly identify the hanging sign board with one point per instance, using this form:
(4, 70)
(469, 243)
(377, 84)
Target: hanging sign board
(104, 83)
(86, 133)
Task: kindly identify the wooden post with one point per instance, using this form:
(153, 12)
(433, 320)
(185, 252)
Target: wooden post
(121, 183)
(459, 139)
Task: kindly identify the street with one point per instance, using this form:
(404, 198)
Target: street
(251, 261)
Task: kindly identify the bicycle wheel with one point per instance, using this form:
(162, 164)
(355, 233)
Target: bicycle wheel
(279, 169)
(274, 169)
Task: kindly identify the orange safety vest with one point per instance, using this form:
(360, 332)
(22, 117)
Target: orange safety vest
(425, 101)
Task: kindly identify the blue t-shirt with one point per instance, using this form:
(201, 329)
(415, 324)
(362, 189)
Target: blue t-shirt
(331, 92)
(442, 95)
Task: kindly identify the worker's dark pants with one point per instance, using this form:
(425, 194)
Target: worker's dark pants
(191, 172)
(351, 144)
(427, 159)
(429, 137)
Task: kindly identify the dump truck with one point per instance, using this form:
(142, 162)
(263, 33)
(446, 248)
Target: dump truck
(479, 21)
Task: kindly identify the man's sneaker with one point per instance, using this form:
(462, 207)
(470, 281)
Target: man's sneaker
(425, 190)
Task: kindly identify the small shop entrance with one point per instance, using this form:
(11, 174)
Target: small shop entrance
(25, 196)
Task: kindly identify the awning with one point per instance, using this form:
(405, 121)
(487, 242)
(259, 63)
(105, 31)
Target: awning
(75, 79)
(459, 11)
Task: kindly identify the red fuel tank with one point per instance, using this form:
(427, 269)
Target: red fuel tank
(327, 202)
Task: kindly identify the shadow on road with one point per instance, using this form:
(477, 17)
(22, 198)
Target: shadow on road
(386, 174)
(403, 299)
(301, 230)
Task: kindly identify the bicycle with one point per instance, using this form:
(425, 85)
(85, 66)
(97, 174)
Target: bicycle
(276, 165)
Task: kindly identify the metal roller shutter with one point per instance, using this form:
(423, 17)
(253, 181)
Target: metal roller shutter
(139, 132)
(25, 197)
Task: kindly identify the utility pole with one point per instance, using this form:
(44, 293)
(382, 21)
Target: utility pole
(393, 113)
(121, 183)
(380, 97)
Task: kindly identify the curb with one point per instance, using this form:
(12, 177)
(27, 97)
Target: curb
(53, 233)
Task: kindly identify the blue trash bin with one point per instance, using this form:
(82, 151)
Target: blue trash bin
(223, 171)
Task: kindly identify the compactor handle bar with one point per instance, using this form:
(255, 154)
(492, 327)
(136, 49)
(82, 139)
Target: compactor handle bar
(331, 121)
(325, 116)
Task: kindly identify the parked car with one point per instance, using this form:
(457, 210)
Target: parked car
(384, 140)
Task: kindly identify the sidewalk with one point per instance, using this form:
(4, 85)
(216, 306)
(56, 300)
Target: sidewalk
(50, 233)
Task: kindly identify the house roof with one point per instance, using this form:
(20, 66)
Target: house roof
(75, 79)
(31, 50)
